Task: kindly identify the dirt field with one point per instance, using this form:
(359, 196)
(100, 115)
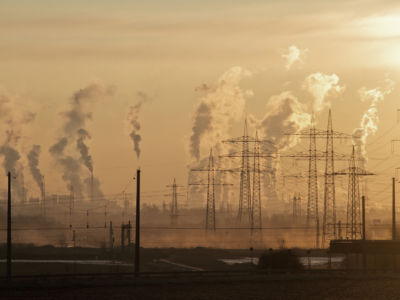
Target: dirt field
(279, 289)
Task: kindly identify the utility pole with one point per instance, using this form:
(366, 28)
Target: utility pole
(137, 234)
(9, 228)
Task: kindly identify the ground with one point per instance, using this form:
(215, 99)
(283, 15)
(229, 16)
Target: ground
(265, 289)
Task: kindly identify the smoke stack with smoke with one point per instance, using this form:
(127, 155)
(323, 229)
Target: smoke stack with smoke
(33, 161)
(370, 119)
(293, 55)
(133, 119)
(74, 130)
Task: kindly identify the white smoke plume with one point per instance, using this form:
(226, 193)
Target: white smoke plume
(33, 161)
(217, 110)
(294, 55)
(321, 86)
(74, 132)
(285, 114)
(133, 121)
(370, 119)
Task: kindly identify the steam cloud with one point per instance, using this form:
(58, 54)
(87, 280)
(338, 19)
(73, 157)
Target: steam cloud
(133, 118)
(293, 55)
(321, 85)
(370, 119)
(217, 110)
(74, 131)
(285, 113)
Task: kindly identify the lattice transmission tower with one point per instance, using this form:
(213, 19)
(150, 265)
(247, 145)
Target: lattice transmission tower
(354, 222)
(174, 212)
(210, 208)
(256, 221)
(329, 216)
(329, 208)
(210, 223)
(249, 208)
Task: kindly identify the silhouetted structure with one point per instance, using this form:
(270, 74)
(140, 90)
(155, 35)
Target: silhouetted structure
(174, 203)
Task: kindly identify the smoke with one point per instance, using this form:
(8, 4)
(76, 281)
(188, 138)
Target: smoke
(73, 131)
(370, 119)
(293, 55)
(58, 148)
(83, 149)
(134, 124)
(217, 110)
(76, 116)
(11, 157)
(201, 123)
(14, 121)
(94, 186)
(33, 161)
(321, 86)
(71, 169)
(285, 114)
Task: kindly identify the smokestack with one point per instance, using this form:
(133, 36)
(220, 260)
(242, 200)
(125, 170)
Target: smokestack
(393, 208)
(137, 235)
(9, 228)
(91, 186)
(43, 190)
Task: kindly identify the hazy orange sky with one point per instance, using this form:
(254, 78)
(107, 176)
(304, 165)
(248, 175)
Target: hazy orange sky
(167, 49)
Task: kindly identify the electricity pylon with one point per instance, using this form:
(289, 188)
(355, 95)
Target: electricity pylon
(174, 213)
(210, 209)
(247, 212)
(210, 206)
(329, 209)
(354, 222)
(256, 196)
(329, 216)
